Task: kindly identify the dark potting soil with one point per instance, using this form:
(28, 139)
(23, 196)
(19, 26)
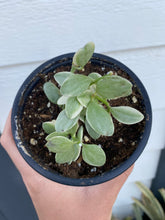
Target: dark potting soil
(118, 148)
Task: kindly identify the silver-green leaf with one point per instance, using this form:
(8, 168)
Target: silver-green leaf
(127, 115)
(71, 132)
(62, 100)
(90, 131)
(83, 55)
(63, 123)
(113, 87)
(93, 155)
(49, 126)
(80, 134)
(84, 98)
(75, 85)
(59, 144)
(54, 134)
(99, 119)
(51, 91)
(68, 156)
(60, 77)
(94, 75)
(73, 107)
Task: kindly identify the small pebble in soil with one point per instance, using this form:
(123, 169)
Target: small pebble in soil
(93, 169)
(42, 133)
(33, 141)
(134, 99)
(103, 68)
(79, 164)
(48, 105)
(133, 143)
(50, 154)
(86, 139)
(120, 140)
(30, 116)
(34, 126)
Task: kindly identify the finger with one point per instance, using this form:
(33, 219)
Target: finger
(8, 144)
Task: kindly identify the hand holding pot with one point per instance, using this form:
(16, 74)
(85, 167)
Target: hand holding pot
(55, 201)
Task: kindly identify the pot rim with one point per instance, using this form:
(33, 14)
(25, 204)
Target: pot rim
(108, 175)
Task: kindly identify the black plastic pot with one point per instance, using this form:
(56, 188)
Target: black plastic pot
(30, 83)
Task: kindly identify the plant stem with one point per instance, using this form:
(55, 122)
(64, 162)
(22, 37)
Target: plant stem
(103, 101)
(73, 69)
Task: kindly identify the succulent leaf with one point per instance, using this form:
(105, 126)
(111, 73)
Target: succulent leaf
(75, 85)
(71, 154)
(51, 91)
(90, 131)
(59, 144)
(93, 155)
(80, 134)
(99, 119)
(73, 107)
(113, 87)
(60, 77)
(71, 132)
(84, 98)
(94, 75)
(127, 115)
(62, 100)
(49, 126)
(54, 134)
(83, 55)
(63, 123)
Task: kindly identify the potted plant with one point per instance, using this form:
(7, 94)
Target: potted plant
(81, 118)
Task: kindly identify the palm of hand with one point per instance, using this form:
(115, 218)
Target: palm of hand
(53, 200)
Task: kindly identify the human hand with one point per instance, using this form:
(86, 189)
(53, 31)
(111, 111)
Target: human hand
(55, 201)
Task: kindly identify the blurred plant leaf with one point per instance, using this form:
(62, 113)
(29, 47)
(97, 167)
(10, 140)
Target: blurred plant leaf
(150, 205)
(162, 192)
(137, 212)
(94, 75)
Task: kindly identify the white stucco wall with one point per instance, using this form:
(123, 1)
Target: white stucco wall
(130, 31)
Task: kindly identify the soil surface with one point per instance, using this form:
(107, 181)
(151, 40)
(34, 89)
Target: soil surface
(118, 148)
